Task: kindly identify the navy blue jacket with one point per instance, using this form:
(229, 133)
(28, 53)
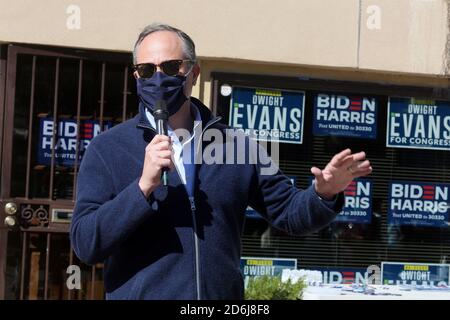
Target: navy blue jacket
(150, 247)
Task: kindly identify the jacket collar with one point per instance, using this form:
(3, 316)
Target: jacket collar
(208, 119)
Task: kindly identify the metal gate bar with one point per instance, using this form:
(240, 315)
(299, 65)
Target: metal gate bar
(125, 94)
(69, 292)
(22, 269)
(30, 129)
(47, 266)
(2, 113)
(8, 123)
(55, 129)
(93, 282)
(77, 149)
(102, 95)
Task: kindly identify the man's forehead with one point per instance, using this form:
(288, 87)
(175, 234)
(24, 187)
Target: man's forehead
(161, 43)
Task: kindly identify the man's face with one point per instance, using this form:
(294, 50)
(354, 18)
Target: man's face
(161, 46)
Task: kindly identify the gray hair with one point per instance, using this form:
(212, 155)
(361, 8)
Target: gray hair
(187, 43)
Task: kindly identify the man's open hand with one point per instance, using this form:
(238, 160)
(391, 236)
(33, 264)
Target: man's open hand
(339, 172)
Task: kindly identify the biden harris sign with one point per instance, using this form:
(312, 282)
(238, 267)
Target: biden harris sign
(358, 202)
(65, 145)
(418, 204)
(418, 124)
(345, 116)
(268, 114)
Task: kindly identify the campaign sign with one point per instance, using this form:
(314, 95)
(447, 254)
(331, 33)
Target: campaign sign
(343, 275)
(255, 266)
(418, 124)
(66, 140)
(404, 273)
(253, 214)
(345, 115)
(268, 114)
(418, 204)
(358, 202)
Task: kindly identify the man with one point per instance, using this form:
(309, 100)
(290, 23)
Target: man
(182, 241)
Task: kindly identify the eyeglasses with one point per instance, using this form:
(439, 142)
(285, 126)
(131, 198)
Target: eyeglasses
(169, 67)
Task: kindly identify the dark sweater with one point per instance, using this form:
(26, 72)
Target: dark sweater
(150, 247)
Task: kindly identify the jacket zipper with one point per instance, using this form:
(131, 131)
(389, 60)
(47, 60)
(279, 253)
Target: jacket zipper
(197, 251)
(193, 210)
(194, 221)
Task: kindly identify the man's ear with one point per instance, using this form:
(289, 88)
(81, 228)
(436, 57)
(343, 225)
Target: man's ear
(135, 74)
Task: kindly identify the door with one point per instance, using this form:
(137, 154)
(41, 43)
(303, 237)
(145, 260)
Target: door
(53, 103)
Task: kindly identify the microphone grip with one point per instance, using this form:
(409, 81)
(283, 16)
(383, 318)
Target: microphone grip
(161, 127)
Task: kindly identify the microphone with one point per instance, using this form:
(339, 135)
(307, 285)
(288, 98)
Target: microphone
(161, 115)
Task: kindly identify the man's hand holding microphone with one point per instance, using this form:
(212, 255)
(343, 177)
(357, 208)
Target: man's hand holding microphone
(158, 153)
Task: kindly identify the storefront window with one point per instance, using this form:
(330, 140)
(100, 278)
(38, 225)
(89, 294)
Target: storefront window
(373, 237)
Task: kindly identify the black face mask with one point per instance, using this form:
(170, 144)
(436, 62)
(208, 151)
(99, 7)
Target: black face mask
(162, 87)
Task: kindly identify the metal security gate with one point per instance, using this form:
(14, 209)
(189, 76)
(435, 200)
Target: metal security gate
(53, 101)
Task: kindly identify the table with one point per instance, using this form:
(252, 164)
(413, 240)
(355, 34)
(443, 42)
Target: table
(380, 292)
